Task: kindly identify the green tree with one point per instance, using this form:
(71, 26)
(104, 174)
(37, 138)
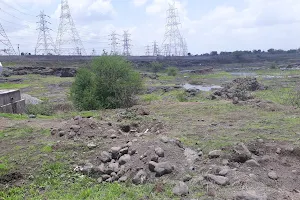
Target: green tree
(172, 71)
(110, 82)
(156, 67)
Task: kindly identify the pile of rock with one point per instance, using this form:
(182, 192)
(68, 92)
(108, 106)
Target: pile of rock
(116, 165)
(238, 90)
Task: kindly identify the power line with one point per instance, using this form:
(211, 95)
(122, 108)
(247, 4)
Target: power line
(8, 48)
(16, 9)
(68, 40)
(45, 44)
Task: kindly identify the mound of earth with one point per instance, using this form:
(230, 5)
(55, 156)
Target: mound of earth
(141, 153)
(239, 89)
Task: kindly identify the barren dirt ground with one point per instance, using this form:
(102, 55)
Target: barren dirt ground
(174, 144)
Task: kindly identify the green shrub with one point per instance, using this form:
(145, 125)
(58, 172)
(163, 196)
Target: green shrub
(182, 97)
(110, 82)
(156, 67)
(172, 71)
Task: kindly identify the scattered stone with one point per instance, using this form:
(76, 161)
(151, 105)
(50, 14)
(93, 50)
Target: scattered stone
(155, 158)
(91, 145)
(87, 169)
(278, 150)
(181, 189)
(54, 131)
(163, 168)
(123, 179)
(132, 152)
(273, 175)
(61, 133)
(160, 152)
(191, 156)
(241, 154)
(129, 144)
(71, 135)
(32, 116)
(187, 178)
(260, 140)
(105, 177)
(152, 166)
(215, 154)
(248, 195)
(200, 153)
(124, 159)
(115, 152)
(235, 100)
(252, 163)
(294, 171)
(105, 157)
(113, 167)
(100, 180)
(75, 128)
(113, 136)
(124, 151)
(140, 177)
(134, 140)
(77, 118)
(225, 162)
(224, 171)
(220, 180)
(164, 139)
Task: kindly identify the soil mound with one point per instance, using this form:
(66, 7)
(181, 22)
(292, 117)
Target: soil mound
(239, 89)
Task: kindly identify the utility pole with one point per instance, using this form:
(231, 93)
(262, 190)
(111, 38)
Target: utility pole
(147, 53)
(155, 49)
(173, 40)
(8, 48)
(68, 41)
(19, 49)
(45, 44)
(126, 43)
(114, 43)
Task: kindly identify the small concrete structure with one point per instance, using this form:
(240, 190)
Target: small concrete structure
(11, 102)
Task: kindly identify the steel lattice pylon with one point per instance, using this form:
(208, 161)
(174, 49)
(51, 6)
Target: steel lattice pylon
(173, 44)
(126, 44)
(68, 41)
(45, 44)
(8, 48)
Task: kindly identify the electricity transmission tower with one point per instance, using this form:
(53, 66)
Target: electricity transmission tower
(173, 44)
(94, 53)
(8, 48)
(155, 49)
(114, 43)
(147, 53)
(45, 44)
(68, 41)
(126, 43)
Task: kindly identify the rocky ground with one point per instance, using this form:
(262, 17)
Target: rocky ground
(198, 149)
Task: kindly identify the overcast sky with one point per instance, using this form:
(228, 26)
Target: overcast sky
(207, 25)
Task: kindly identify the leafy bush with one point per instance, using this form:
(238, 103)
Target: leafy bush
(156, 67)
(172, 71)
(111, 82)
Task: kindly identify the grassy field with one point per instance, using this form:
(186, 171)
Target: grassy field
(27, 146)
